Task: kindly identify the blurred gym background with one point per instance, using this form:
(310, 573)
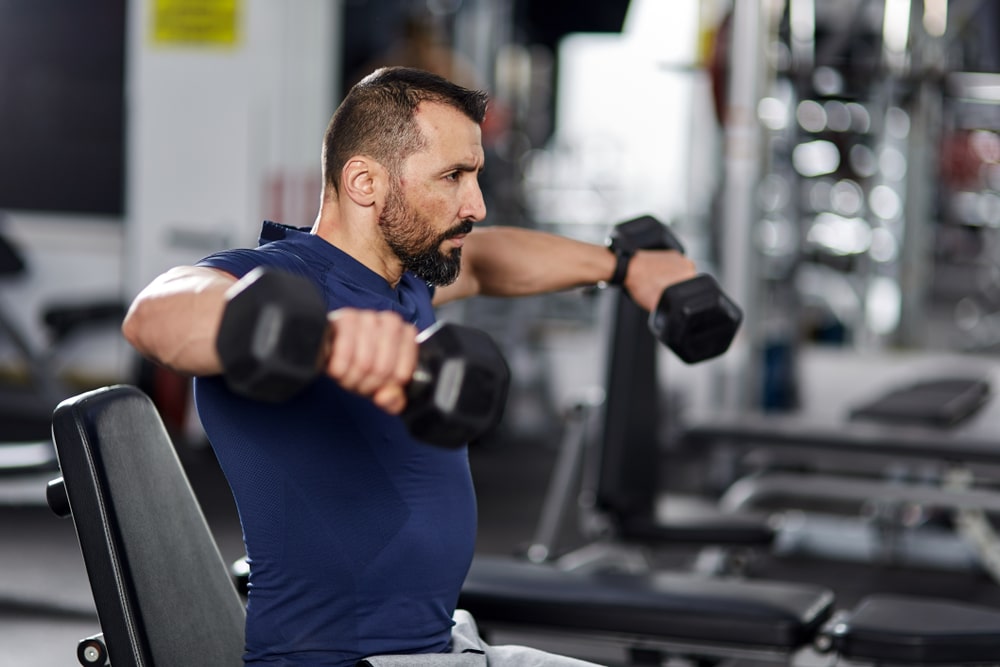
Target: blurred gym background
(835, 163)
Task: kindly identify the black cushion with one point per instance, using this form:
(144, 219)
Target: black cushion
(668, 606)
(945, 401)
(914, 630)
(162, 591)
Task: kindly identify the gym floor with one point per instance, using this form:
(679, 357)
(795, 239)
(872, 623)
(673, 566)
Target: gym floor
(46, 605)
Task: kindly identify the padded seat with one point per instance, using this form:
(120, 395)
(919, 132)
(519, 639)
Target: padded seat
(673, 607)
(915, 631)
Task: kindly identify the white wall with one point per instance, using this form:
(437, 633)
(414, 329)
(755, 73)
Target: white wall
(211, 132)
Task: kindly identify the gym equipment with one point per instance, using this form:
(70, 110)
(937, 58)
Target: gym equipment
(658, 616)
(162, 591)
(902, 473)
(911, 630)
(165, 597)
(273, 341)
(627, 493)
(27, 402)
(649, 616)
(694, 318)
(936, 402)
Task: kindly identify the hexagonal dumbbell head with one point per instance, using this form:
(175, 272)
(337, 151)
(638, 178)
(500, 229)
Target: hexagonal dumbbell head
(459, 389)
(696, 319)
(271, 335)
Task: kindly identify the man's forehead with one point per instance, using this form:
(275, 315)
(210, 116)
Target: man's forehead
(444, 126)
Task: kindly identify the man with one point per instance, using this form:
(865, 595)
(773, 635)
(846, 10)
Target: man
(357, 535)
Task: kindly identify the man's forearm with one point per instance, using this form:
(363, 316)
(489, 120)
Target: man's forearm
(512, 261)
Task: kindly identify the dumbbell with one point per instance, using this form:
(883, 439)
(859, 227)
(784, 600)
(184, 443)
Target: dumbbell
(272, 342)
(694, 318)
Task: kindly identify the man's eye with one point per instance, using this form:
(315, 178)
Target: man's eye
(453, 176)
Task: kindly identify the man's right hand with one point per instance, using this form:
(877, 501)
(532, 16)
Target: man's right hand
(373, 354)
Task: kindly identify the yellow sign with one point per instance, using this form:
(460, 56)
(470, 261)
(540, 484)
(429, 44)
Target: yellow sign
(195, 22)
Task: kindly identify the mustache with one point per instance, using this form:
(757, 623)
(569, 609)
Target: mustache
(460, 229)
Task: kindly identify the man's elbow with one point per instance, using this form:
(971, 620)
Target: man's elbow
(134, 328)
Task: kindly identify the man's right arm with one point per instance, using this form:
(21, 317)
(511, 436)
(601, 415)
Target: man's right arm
(175, 320)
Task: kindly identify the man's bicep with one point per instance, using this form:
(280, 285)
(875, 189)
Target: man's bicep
(174, 319)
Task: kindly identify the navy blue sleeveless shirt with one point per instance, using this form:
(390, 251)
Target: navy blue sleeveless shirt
(359, 537)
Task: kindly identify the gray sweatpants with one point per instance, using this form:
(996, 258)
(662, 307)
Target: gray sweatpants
(469, 650)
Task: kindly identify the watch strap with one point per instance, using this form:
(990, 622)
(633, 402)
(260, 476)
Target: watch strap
(622, 258)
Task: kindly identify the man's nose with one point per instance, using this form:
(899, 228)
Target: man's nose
(475, 205)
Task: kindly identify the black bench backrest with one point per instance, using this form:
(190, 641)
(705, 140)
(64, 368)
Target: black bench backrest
(629, 479)
(163, 593)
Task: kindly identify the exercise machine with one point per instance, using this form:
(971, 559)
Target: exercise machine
(27, 401)
(920, 441)
(938, 420)
(615, 485)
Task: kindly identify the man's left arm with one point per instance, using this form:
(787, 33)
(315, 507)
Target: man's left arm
(513, 261)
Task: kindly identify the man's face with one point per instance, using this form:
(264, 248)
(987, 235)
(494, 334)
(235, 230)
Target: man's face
(436, 199)
(417, 244)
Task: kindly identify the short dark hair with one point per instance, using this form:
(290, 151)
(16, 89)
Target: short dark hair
(376, 117)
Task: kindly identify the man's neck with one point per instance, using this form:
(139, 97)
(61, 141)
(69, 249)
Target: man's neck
(360, 239)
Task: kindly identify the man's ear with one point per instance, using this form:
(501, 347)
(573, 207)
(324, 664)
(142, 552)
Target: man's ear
(363, 178)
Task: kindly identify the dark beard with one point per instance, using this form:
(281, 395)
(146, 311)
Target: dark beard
(407, 235)
(432, 266)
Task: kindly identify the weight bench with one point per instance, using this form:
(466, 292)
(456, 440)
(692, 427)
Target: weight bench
(648, 616)
(163, 594)
(165, 597)
(655, 616)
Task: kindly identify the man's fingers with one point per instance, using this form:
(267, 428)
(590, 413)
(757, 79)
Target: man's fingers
(391, 398)
(652, 271)
(373, 354)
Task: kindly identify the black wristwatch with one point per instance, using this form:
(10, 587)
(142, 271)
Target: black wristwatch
(622, 257)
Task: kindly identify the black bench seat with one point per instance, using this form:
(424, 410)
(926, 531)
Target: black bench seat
(673, 607)
(902, 629)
